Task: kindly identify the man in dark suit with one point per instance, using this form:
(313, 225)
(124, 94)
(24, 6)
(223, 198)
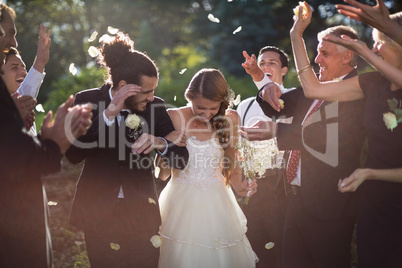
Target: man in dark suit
(328, 136)
(116, 200)
(24, 234)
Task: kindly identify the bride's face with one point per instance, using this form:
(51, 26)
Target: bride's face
(204, 108)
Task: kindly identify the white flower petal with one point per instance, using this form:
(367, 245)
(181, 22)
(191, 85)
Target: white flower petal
(269, 245)
(156, 241)
(237, 30)
(112, 30)
(105, 38)
(72, 69)
(150, 200)
(93, 51)
(93, 36)
(52, 203)
(183, 71)
(39, 108)
(114, 246)
(237, 100)
(78, 243)
(213, 19)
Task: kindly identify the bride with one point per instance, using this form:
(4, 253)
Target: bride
(202, 224)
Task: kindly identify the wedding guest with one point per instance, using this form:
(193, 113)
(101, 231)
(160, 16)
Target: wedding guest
(375, 16)
(202, 224)
(115, 202)
(25, 86)
(380, 182)
(326, 139)
(391, 72)
(265, 212)
(24, 234)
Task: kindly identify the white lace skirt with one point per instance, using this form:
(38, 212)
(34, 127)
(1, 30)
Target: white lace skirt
(203, 227)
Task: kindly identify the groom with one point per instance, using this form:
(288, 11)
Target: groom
(116, 200)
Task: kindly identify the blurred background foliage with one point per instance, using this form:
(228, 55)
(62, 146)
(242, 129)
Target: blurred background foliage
(176, 34)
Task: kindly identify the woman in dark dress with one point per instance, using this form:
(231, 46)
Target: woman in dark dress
(379, 223)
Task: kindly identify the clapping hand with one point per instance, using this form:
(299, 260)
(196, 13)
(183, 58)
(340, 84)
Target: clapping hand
(25, 105)
(68, 124)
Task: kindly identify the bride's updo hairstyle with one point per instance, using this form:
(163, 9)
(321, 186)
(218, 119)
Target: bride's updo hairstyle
(211, 84)
(123, 62)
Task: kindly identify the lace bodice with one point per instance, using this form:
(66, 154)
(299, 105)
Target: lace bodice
(205, 163)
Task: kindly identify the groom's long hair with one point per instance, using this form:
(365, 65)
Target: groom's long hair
(211, 84)
(123, 62)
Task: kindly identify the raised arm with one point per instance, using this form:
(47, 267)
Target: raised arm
(33, 81)
(376, 16)
(345, 90)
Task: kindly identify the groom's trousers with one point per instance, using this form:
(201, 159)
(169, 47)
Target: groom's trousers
(113, 243)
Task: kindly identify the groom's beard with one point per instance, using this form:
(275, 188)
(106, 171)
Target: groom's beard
(134, 105)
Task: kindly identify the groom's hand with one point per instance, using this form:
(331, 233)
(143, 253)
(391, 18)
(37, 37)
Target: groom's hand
(146, 143)
(119, 97)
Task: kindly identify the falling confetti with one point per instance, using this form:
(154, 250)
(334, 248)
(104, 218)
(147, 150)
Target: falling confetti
(78, 243)
(114, 246)
(52, 203)
(213, 19)
(237, 30)
(151, 201)
(93, 36)
(73, 70)
(269, 245)
(174, 98)
(112, 30)
(183, 71)
(93, 51)
(105, 38)
(237, 100)
(39, 108)
(156, 241)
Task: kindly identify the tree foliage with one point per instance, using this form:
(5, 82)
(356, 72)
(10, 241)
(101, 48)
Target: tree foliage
(176, 34)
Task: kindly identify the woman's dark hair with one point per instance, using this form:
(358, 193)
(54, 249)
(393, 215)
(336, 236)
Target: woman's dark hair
(123, 62)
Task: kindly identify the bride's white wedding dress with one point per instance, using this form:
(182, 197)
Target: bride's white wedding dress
(202, 224)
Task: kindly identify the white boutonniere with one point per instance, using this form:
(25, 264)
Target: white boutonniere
(133, 122)
(391, 119)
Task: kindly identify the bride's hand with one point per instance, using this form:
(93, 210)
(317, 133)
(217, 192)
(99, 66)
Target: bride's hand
(245, 187)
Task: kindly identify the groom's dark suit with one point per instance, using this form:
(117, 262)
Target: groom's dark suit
(319, 218)
(104, 173)
(23, 159)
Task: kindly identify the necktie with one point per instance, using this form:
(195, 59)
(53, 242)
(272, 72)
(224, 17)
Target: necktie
(294, 157)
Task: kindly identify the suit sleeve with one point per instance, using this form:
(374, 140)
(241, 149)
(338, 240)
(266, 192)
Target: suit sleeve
(21, 153)
(290, 99)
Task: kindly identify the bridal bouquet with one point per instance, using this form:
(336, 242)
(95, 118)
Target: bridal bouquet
(255, 157)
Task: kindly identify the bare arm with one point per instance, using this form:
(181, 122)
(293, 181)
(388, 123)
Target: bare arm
(345, 90)
(376, 16)
(351, 183)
